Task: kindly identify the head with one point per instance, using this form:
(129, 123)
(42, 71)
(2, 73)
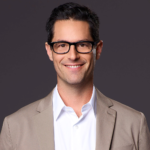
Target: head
(73, 11)
(72, 22)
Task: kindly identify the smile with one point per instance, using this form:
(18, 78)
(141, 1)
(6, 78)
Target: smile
(76, 66)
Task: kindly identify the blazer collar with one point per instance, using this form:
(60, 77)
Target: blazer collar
(46, 102)
(43, 123)
(105, 122)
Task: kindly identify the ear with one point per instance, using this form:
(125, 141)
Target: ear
(49, 51)
(99, 49)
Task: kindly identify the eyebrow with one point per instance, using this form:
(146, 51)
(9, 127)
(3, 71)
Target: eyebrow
(59, 40)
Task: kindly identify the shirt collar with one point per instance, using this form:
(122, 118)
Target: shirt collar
(92, 101)
(58, 103)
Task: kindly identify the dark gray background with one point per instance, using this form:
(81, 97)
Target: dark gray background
(122, 73)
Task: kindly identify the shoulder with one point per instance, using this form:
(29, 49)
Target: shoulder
(29, 111)
(122, 108)
(25, 112)
(128, 119)
(124, 113)
(130, 123)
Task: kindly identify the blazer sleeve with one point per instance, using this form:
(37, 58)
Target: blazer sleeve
(5, 137)
(144, 137)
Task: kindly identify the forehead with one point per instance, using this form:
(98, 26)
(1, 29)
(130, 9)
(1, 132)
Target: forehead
(71, 30)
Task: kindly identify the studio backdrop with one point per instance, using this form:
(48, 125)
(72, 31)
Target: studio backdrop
(122, 73)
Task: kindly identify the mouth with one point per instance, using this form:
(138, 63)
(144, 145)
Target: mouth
(74, 66)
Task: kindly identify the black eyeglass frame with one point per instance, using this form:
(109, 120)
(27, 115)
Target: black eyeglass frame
(72, 43)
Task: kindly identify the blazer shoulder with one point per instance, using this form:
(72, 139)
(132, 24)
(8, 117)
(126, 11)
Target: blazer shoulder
(126, 113)
(129, 120)
(25, 112)
(117, 106)
(122, 107)
(32, 109)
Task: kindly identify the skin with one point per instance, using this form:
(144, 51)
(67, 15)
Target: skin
(74, 85)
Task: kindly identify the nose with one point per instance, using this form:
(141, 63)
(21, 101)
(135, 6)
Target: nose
(73, 54)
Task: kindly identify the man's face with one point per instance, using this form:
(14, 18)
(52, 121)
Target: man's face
(72, 68)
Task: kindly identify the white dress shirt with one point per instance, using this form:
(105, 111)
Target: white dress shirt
(71, 132)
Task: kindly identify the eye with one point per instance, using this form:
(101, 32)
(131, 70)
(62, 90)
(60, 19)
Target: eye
(82, 45)
(62, 45)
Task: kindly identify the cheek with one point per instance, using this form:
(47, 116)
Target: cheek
(57, 59)
(90, 60)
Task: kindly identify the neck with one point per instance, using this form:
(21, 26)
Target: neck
(75, 96)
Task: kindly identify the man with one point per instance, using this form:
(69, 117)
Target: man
(75, 115)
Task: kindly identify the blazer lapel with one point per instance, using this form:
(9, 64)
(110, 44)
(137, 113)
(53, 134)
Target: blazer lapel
(44, 123)
(105, 122)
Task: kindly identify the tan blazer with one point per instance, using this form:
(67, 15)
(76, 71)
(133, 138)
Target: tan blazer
(118, 127)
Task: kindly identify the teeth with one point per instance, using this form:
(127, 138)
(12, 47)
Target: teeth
(74, 66)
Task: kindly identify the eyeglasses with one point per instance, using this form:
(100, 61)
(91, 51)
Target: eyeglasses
(63, 47)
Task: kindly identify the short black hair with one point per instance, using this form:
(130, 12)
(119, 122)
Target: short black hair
(76, 12)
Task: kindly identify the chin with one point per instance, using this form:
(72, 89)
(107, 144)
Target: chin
(74, 82)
